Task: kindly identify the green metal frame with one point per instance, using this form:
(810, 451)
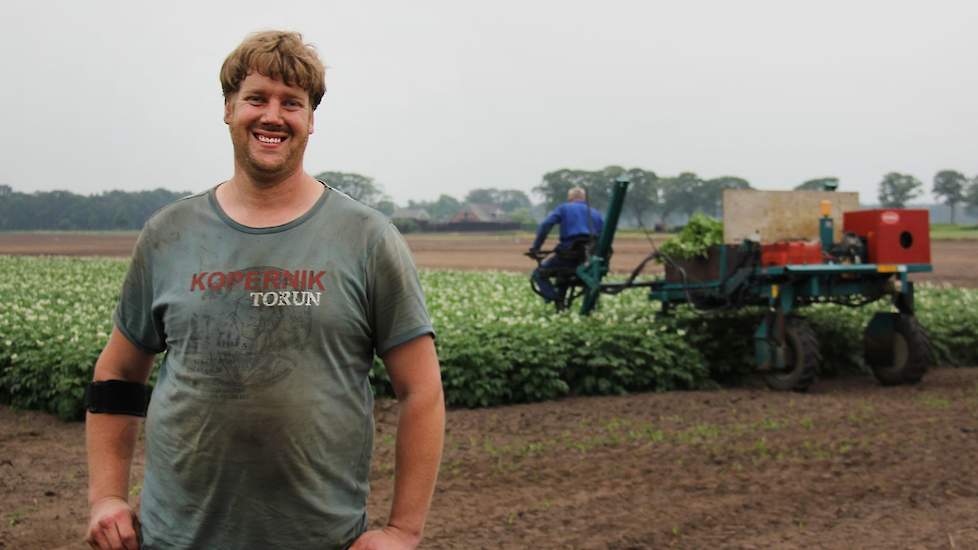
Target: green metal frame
(596, 267)
(782, 289)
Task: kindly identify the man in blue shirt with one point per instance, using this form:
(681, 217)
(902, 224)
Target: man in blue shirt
(579, 224)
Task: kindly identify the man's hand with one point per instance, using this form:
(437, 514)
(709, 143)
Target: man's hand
(112, 526)
(389, 537)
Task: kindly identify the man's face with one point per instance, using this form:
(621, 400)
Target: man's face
(270, 124)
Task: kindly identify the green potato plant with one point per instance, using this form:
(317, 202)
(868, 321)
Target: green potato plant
(497, 342)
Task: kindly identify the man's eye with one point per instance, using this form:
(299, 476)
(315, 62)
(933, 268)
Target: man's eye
(253, 99)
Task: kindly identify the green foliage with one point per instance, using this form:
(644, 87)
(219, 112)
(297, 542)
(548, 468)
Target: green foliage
(950, 186)
(711, 193)
(648, 195)
(405, 226)
(971, 195)
(386, 207)
(508, 200)
(55, 316)
(523, 217)
(497, 342)
(556, 184)
(643, 196)
(695, 239)
(359, 187)
(897, 189)
(64, 210)
(941, 231)
(683, 193)
(441, 209)
(724, 338)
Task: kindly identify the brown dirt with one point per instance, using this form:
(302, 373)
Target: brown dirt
(848, 465)
(953, 260)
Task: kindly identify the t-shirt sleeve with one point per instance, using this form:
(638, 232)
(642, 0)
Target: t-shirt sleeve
(135, 315)
(396, 301)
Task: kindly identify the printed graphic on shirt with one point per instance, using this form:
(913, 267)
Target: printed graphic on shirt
(247, 333)
(265, 286)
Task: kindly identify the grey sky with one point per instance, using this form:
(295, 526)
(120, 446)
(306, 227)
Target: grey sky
(435, 97)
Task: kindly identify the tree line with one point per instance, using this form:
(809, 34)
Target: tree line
(952, 187)
(514, 202)
(652, 199)
(64, 210)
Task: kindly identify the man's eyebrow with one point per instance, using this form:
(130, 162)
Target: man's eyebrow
(258, 90)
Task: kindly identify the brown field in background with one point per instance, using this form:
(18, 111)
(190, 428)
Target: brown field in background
(955, 261)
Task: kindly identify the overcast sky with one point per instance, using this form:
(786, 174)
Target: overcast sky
(434, 97)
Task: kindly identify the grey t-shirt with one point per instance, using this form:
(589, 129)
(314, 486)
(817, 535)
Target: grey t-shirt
(260, 430)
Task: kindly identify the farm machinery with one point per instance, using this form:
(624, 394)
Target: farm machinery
(765, 264)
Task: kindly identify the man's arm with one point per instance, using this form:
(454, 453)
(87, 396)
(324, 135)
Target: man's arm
(599, 223)
(552, 219)
(111, 440)
(415, 375)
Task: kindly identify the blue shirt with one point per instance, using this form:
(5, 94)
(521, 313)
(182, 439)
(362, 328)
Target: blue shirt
(573, 219)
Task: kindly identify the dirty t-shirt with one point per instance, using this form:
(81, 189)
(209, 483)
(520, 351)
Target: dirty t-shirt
(260, 430)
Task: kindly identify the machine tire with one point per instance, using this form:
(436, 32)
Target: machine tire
(910, 353)
(802, 358)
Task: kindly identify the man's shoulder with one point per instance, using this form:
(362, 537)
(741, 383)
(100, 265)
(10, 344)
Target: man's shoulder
(561, 208)
(345, 208)
(179, 211)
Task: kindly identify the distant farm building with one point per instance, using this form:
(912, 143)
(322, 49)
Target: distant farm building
(479, 217)
(411, 219)
(415, 214)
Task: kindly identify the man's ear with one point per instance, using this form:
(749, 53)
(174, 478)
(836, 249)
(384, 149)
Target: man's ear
(312, 122)
(228, 110)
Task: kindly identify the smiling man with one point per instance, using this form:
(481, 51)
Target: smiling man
(270, 294)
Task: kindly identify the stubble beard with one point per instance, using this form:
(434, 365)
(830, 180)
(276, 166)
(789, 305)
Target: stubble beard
(262, 172)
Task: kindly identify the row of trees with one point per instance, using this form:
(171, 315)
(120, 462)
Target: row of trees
(63, 210)
(950, 186)
(651, 198)
(650, 195)
(364, 189)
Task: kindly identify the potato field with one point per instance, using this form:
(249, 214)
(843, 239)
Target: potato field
(562, 430)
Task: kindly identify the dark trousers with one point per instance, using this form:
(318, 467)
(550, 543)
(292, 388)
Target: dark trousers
(543, 273)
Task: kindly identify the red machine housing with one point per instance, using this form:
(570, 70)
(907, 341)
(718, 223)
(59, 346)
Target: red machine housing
(893, 235)
(791, 252)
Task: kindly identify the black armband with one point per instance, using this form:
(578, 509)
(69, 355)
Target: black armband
(117, 397)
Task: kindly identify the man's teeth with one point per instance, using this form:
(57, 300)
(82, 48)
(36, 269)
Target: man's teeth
(266, 139)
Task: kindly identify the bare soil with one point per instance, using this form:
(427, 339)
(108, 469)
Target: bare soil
(849, 464)
(953, 260)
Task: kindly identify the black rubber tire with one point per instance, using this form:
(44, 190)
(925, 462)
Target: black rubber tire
(802, 358)
(912, 354)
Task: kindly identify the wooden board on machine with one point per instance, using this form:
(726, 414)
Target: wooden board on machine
(781, 215)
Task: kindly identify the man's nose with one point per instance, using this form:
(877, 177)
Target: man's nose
(272, 114)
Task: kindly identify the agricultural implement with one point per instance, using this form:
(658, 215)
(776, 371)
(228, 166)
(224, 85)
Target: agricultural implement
(873, 260)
